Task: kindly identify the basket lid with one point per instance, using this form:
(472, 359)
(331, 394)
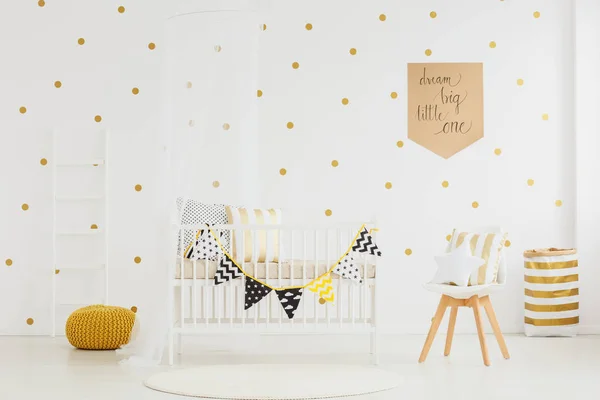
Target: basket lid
(549, 252)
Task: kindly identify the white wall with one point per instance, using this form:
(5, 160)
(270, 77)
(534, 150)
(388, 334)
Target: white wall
(40, 44)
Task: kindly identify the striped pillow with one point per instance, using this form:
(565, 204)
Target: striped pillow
(260, 245)
(485, 245)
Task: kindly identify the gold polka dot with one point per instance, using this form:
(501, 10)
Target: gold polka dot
(138, 188)
(264, 27)
(81, 41)
(134, 309)
(259, 93)
(308, 27)
(345, 101)
(121, 9)
(137, 260)
(394, 95)
(492, 45)
(8, 262)
(408, 252)
(382, 17)
(353, 51)
(282, 171)
(507, 243)
(388, 185)
(41, 3)
(58, 84)
(445, 184)
(530, 182)
(43, 161)
(520, 82)
(558, 203)
(497, 151)
(135, 91)
(428, 52)
(25, 207)
(98, 118)
(295, 65)
(218, 48)
(151, 46)
(400, 143)
(29, 321)
(322, 301)
(536, 14)
(335, 163)
(93, 226)
(56, 271)
(448, 237)
(433, 14)
(545, 117)
(290, 125)
(23, 110)
(328, 212)
(474, 204)
(226, 126)
(216, 184)
(189, 85)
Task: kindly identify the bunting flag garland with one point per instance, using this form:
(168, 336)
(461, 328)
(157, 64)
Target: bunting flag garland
(347, 269)
(205, 247)
(208, 246)
(227, 270)
(290, 300)
(255, 292)
(324, 288)
(366, 244)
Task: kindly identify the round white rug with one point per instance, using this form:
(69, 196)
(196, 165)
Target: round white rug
(283, 382)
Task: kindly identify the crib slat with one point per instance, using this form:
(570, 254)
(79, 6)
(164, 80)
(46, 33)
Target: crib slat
(205, 293)
(291, 283)
(194, 294)
(278, 233)
(316, 314)
(340, 282)
(327, 266)
(304, 276)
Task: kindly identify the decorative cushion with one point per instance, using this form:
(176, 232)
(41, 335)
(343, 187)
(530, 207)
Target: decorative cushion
(487, 246)
(100, 327)
(196, 212)
(264, 246)
(456, 267)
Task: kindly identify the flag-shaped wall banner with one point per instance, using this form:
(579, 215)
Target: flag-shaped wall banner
(227, 270)
(324, 288)
(290, 300)
(255, 292)
(347, 269)
(366, 244)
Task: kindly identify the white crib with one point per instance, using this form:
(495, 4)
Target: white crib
(199, 307)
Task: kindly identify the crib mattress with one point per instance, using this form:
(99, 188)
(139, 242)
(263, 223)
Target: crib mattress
(259, 270)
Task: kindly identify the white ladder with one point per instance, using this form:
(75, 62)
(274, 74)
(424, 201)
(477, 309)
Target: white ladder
(57, 266)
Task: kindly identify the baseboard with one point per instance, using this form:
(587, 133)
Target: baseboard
(398, 329)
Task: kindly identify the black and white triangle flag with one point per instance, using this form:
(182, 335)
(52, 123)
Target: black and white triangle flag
(226, 271)
(255, 292)
(366, 244)
(205, 248)
(290, 300)
(347, 269)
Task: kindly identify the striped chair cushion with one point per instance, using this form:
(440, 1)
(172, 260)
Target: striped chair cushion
(485, 245)
(257, 246)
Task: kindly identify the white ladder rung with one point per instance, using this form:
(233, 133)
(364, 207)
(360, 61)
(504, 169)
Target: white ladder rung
(81, 267)
(87, 232)
(79, 198)
(80, 163)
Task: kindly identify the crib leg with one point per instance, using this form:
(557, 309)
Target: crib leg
(171, 346)
(179, 344)
(374, 354)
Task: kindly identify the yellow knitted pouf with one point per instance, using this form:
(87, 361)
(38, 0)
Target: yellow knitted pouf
(100, 327)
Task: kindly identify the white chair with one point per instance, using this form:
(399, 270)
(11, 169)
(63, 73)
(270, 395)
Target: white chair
(469, 296)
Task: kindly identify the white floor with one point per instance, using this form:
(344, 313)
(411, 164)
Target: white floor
(540, 369)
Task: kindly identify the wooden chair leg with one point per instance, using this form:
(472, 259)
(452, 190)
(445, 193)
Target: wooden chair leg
(450, 335)
(474, 302)
(435, 324)
(489, 310)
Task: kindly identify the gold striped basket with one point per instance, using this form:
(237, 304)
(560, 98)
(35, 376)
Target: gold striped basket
(551, 292)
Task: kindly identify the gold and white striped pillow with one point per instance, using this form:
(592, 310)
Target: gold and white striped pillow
(257, 246)
(485, 245)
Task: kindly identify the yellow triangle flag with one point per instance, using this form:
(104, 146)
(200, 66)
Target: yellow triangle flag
(324, 288)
